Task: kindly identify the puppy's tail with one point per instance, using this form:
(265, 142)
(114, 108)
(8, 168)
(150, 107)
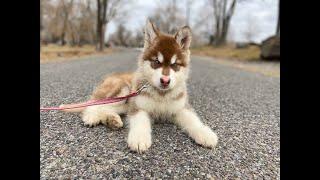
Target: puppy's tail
(73, 110)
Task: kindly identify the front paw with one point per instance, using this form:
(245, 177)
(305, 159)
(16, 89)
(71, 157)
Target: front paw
(90, 119)
(205, 137)
(139, 140)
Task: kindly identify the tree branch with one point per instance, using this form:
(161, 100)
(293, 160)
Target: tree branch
(231, 9)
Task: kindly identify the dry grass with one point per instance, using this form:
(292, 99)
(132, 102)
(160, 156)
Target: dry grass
(250, 53)
(53, 52)
(266, 68)
(247, 59)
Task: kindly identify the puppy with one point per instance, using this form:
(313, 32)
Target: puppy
(164, 65)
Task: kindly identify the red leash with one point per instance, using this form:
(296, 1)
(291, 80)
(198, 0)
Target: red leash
(95, 102)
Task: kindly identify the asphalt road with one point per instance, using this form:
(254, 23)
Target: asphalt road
(242, 107)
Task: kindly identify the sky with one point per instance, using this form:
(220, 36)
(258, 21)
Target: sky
(260, 14)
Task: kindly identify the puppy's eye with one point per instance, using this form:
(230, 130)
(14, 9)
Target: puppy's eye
(174, 65)
(157, 61)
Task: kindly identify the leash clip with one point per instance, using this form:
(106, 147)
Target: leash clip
(142, 88)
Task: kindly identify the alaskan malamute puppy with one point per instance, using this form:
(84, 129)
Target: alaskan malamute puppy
(164, 66)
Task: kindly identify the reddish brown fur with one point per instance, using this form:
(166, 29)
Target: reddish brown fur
(167, 46)
(113, 85)
(166, 71)
(180, 95)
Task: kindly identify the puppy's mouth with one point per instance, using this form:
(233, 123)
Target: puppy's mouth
(164, 87)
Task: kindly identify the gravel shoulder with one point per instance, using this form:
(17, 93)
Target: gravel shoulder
(242, 107)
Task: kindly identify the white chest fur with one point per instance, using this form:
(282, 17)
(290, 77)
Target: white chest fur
(161, 105)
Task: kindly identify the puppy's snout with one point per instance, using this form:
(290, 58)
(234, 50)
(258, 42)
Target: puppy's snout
(165, 80)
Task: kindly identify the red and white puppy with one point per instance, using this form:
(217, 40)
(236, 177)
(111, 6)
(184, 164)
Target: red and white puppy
(163, 64)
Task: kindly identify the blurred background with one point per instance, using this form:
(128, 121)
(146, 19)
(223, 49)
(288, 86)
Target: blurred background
(233, 29)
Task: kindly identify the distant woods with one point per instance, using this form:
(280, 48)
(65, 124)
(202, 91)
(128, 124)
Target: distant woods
(68, 21)
(80, 22)
(76, 22)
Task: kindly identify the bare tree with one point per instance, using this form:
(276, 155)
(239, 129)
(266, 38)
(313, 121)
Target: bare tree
(45, 10)
(106, 11)
(48, 16)
(41, 15)
(139, 39)
(278, 24)
(41, 20)
(87, 24)
(222, 16)
(66, 8)
(168, 17)
(121, 37)
(59, 20)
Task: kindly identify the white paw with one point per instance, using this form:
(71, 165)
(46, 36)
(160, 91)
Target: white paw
(205, 137)
(139, 141)
(113, 121)
(90, 119)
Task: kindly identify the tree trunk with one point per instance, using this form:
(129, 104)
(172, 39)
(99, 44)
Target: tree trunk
(67, 10)
(224, 32)
(217, 32)
(98, 48)
(41, 20)
(225, 25)
(100, 37)
(222, 17)
(101, 42)
(63, 42)
(211, 40)
(278, 24)
(101, 23)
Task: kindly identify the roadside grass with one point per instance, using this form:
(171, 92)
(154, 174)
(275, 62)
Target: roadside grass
(250, 53)
(54, 52)
(247, 58)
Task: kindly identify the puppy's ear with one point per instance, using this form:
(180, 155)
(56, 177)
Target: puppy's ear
(183, 37)
(150, 33)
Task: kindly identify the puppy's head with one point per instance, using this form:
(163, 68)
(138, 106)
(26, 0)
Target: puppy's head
(165, 58)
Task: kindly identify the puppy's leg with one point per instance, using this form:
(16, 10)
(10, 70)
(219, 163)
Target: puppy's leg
(107, 114)
(92, 116)
(139, 137)
(113, 119)
(202, 134)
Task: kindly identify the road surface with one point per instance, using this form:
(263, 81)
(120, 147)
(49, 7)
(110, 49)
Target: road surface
(242, 107)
